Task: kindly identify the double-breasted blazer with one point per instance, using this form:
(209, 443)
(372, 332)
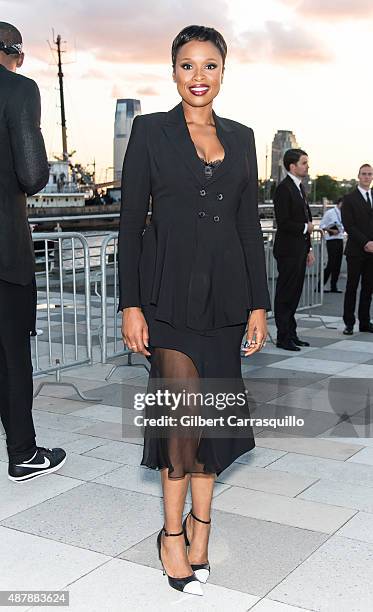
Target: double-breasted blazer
(357, 219)
(200, 260)
(290, 213)
(23, 170)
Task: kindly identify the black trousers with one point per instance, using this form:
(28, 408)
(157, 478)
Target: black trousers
(17, 307)
(289, 286)
(358, 268)
(333, 267)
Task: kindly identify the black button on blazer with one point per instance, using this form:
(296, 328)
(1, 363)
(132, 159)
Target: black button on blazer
(198, 272)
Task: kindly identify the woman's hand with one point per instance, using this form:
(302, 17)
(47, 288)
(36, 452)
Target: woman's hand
(256, 331)
(135, 330)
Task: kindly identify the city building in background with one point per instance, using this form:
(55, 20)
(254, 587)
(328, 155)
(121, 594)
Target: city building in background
(283, 140)
(126, 110)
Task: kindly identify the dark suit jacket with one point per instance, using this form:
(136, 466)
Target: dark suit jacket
(357, 218)
(203, 250)
(290, 240)
(23, 170)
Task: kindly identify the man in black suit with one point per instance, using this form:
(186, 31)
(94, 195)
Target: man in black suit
(357, 218)
(23, 170)
(292, 248)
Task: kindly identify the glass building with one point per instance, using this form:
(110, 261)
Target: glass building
(126, 110)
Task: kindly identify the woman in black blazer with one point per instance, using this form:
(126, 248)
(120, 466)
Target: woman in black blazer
(190, 281)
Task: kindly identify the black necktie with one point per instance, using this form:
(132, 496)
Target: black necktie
(368, 200)
(304, 197)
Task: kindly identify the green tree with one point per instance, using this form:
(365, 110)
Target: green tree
(327, 187)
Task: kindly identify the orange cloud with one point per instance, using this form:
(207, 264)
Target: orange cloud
(333, 9)
(281, 44)
(142, 32)
(147, 91)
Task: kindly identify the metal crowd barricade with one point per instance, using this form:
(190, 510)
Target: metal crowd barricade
(111, 337)
(313, 287)
(63, 325)
(112, 343)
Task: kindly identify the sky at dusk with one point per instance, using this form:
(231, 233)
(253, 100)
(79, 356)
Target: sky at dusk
(301, 65)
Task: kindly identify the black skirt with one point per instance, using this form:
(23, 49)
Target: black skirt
(183, 359)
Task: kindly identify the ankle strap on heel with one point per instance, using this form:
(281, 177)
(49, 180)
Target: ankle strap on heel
(198, 519)
(167, 533)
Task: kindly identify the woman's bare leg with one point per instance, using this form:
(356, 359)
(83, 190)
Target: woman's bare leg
(202, 486)
(174, 554)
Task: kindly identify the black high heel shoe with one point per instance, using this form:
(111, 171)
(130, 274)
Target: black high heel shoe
(189, 584)
(201, 570)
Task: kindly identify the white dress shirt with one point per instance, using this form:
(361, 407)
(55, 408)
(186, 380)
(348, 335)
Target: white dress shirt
(298, 181)
(332, 217)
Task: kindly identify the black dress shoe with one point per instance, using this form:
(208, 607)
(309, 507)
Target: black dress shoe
(288, 346)
(335, 290)
(299, 342)
(368, 328)
(348, 330)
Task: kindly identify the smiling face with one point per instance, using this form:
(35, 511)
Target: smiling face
(198, 72)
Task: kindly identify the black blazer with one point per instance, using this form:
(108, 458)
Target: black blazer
(23, 170)
(357, 218)
(203, 250)
(290, 239)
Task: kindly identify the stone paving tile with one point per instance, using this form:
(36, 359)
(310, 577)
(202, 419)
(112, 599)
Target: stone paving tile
(117, 394)
(83, 445)
(335, 578)
(292, 375)
(318, 447)
(280, 509)
(360, 371)
(64, 422)
(325, 396)
(111, 431)
(260, 457)
(359, 527)
(16, 497)
(268, 605)
(86, 468)
(134, 589)
(53, 390)
(30, 563)
(358, 345)
(329, 469)
(304, 364)
(101, 412)
(57, 405)
(142, 480)
(326, 354)
(246, 554)
(365, 455)
(312, 422)
(342, 494)
(259, 479)
(121, 452)
(92, 516)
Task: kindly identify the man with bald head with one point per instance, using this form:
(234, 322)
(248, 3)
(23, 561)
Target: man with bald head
(24, 171)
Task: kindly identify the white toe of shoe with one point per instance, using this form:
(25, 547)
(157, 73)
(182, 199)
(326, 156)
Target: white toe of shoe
(194, 588)
(202, 575)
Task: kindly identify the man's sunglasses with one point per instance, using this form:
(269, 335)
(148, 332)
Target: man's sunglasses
(12, 49)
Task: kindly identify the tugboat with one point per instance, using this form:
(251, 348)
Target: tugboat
(72, 195)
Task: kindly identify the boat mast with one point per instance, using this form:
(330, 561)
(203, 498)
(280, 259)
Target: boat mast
(65, 155)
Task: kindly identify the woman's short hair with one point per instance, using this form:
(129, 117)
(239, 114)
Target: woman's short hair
(202, 33)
